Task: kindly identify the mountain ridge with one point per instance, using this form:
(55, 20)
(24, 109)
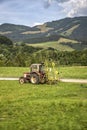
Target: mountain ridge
(72, 28)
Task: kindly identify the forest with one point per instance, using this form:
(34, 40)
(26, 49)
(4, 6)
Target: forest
(24, 55)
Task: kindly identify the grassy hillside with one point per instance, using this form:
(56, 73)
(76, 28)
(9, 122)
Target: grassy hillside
(63, 44)
(54, 44)
(17, 33)
(43, 107)
(74, 28)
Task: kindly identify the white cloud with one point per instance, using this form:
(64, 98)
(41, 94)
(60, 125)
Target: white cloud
(74, 8)
(78, 8)
(37, 23)
(70, 7)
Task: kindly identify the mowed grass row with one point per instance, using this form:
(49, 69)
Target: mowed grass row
(62, 106)
(64, 72)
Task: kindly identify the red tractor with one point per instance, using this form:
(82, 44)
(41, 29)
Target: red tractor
(35, 76)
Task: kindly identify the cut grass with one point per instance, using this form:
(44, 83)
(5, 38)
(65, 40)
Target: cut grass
(43, 107)
(78, 72)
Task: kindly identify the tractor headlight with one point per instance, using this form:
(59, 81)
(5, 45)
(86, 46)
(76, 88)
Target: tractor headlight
(24, 75)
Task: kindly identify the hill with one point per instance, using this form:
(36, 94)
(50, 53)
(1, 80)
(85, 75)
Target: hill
(72, 28)
(15, 32)
(59, 33)
(63, 44)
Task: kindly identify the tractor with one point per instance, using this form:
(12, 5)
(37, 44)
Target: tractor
(36, 75)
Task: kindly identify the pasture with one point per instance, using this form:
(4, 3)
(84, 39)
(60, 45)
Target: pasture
(63, 44)
(55, 44)
(61, 106)
(78, 72)
(43, 107)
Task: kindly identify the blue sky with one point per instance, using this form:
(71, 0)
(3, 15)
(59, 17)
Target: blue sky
(33, 12)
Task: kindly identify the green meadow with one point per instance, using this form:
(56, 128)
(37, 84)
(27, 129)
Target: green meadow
(62, 106)
(63, 44)
(55, 44)
(64, 72)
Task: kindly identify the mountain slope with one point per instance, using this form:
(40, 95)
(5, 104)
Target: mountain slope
(72, 28)
(63, 44)
(15, 32)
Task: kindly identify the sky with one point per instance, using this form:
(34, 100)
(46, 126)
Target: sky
(34, 12)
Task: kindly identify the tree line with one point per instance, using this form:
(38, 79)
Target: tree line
(24, 55)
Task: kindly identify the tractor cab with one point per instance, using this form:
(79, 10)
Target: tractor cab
(37, 68)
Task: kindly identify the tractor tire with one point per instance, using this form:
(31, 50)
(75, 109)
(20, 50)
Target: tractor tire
(21, 80)
(34, 79)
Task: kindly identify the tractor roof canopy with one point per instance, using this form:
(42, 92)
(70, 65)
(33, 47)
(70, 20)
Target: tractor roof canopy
(36, 67)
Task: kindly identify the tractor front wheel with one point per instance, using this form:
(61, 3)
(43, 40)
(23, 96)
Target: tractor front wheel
(34, 78)
(21, 80)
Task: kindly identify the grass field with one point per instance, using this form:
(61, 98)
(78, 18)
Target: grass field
(64, 72)
(62, 106)
(77, 72)
(63, 44)
(55, 44)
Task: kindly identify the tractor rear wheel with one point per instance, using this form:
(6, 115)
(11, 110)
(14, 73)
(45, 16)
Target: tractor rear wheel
(34, 78)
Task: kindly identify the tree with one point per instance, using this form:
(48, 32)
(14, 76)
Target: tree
(5, 40)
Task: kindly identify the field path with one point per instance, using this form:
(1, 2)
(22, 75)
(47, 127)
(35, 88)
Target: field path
(74, 80)
(62, 80)
(9, 78)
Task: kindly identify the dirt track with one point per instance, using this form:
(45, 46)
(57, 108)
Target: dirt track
(74, 80)
(62, 80)
(9, 78)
